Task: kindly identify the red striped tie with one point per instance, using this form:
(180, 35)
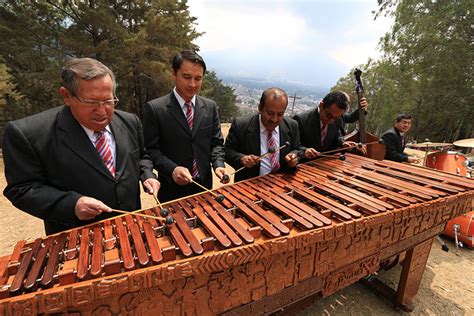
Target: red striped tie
(105, 152)
(324, 132)
(271, 144)
(190, 119)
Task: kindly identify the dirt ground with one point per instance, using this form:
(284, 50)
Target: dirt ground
(447, 287)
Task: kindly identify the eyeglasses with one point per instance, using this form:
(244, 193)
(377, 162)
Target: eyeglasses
(110, 104)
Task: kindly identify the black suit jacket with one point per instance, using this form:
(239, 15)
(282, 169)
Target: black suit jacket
(50, 163)
(310, 131)
(244, 139)
(393, 142)
(172, 144)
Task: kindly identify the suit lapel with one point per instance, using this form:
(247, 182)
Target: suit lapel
(254, 133)
(284, 137)
(177, 113)
(121, 154)
(199, 110)
(317, 128)
(76, 139)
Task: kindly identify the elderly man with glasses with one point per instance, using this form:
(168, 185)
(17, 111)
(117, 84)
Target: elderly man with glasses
(320, 129)
(73, 164)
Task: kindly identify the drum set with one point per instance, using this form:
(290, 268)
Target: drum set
(461, 228)
(443, 158)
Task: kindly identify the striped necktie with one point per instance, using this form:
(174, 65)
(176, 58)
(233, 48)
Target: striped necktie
(271, 144)
(190, 119)
(323, 132)
(105, 152)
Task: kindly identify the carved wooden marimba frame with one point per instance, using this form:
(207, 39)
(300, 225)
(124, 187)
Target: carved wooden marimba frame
(273, 241)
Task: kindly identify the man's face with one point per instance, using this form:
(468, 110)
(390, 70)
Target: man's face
(95, 117)
(329, 114)
(404, 125)
(188, 79)
(272, 112)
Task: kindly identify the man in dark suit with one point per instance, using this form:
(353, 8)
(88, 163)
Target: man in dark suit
(183, 132)
(320, 129)
(71, 164)
(252, 136)
(395, 139)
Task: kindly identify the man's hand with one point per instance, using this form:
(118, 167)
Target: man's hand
(414, 160)
(182, 176)
(220, 172)
(350, 144)
(364, 104)
(249, 161)
(291, 160)
(311, 153)
(88, 208)
(151, 186)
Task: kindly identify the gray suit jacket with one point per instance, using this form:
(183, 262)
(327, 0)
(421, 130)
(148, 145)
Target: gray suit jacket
(50, 163)
(244, 139)
(171, 142)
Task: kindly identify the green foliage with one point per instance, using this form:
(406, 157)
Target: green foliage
(214, 89)
(137, 39)
(426, 70)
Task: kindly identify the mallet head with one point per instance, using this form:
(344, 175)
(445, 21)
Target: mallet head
(220, 198)
(164, 212)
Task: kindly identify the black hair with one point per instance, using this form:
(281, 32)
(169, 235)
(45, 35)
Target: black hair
(403, 116)
(272, 93)
(338, 98)
(189, 56)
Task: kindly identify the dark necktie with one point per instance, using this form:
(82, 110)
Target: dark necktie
(190, 119)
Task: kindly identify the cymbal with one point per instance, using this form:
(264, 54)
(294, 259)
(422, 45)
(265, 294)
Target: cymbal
(428, 144)
(464, 142)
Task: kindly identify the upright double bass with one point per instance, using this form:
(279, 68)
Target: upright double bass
(375, 149)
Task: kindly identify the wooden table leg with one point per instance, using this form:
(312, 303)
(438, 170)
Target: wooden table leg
(412, 273)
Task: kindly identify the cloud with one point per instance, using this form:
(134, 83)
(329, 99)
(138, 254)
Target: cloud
(314, 42)
(231, 25)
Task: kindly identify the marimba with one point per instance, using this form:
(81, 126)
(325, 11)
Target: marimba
(274, 240)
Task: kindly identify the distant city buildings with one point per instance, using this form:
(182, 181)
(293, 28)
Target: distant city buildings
(248, 99)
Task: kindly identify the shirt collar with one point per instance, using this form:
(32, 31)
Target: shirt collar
(180, 99)
(263, 129)
(90, 133)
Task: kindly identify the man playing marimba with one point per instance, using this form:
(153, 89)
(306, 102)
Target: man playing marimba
(71, 164)
(253, 136)
(320, 129)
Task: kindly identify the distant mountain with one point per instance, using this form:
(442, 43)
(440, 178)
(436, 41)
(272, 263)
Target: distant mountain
(290, 87)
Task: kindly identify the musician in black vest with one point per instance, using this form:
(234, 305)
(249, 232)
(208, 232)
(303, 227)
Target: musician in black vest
(71, 164)
(395, 139)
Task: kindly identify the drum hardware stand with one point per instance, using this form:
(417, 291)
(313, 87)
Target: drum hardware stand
(444, 247)
(456, 233)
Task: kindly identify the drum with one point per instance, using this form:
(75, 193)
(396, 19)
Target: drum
(450, 161)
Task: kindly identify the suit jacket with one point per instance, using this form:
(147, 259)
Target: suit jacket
(393, 144)
(172, 144)
(244, 139)
(50, 163)
(310, 131)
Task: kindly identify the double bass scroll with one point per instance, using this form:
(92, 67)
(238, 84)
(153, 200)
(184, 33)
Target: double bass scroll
(376, 150)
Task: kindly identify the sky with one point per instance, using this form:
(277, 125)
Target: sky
(312, 42)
